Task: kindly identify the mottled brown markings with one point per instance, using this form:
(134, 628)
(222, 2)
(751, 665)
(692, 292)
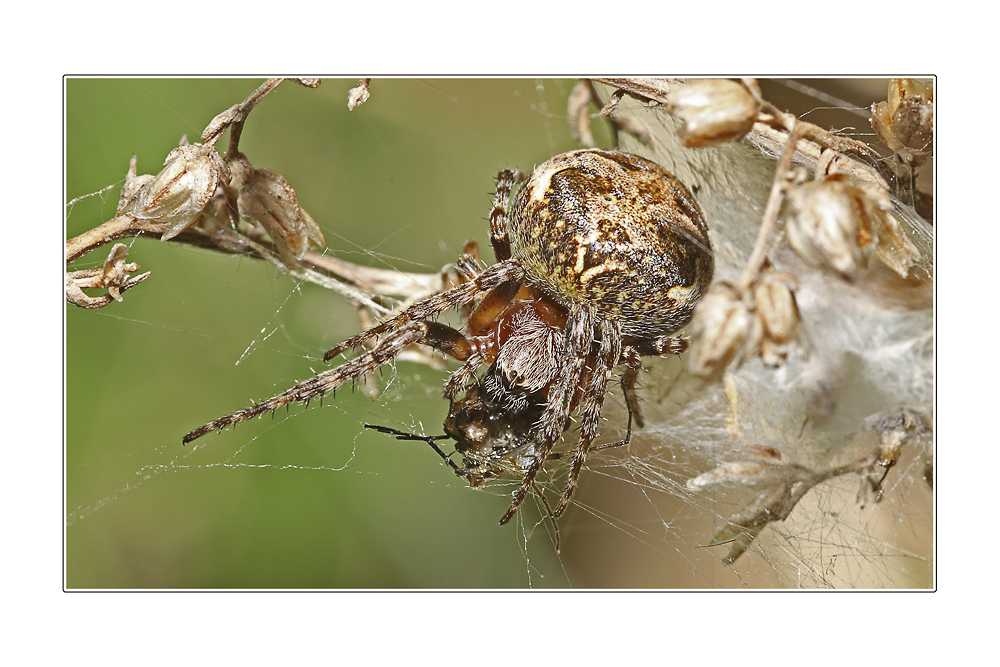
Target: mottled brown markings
(614, 230)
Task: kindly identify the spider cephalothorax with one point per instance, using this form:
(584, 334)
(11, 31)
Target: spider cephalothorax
(603, 256)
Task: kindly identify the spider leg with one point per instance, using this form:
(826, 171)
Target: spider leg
(633, 365)
(433, 305)
(661, 345)
(459, 379)
(593, 402)
(498, 215)
(579, 335)
(325, 382)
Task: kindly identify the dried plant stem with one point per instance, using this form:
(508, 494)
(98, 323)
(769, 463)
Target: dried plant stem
(360, 284)
(771, 131)
(771, 208)
(121, 227)
(235, 116)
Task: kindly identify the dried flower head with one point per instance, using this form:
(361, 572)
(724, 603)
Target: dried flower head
(732, 325)
(837, 225)
(267, 199)
(905, 122)
(114, 276)
(133, 184)
(775, 307)
(724, 330)
(714, 111)
(358, 95)
(889, 239)
(822, 226)
(178, 194)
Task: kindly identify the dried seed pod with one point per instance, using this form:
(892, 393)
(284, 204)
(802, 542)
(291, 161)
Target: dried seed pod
(267, 199)
(774, 298)
(723, 331)
(837, 225)
(822, 226)
(133, 184)
(714, 111)
(178, 194)
(892, 244)
(775, 307)
(221, 211)
(758, 472)
(905, 122)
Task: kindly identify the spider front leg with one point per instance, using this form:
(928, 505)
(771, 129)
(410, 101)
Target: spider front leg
(325, 382)
(432, 334)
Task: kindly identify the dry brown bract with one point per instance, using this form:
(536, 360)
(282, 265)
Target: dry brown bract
(113, 277)
(905, 122)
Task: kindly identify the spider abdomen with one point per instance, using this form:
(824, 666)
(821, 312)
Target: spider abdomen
(616, 231)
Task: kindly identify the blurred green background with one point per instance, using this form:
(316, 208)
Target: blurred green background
(310, 498)
(400, 182)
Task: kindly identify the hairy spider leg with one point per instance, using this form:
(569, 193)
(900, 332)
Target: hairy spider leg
(580, 334)
(405, 329)
(498, 215)
(610, 350)
(633, 364)
(652, 347)
(324, 382)
(438, 303)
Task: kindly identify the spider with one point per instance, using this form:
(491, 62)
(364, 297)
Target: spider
(492, 425)
(601, 258)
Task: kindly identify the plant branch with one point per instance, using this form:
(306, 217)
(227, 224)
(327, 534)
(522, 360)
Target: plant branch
(359, 284)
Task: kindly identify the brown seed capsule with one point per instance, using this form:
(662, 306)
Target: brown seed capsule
(838, 225)
(822, 226)
(775, 307)
(714, 111)
(892, 245)
(178, 194)
(133, 184)
(267, 199)
(905, 122)
(774, 299)
(723, 331)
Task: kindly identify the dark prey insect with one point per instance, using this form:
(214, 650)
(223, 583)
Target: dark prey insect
(492, 431)
(600, 259)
